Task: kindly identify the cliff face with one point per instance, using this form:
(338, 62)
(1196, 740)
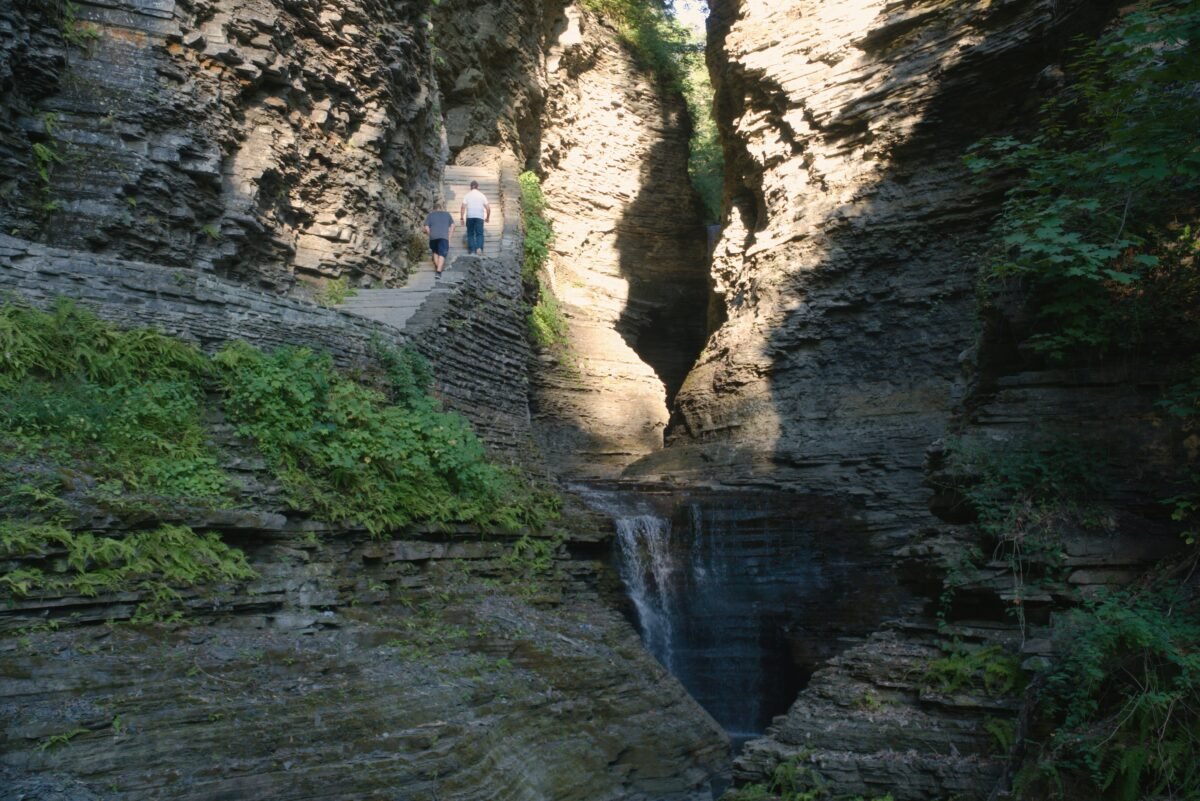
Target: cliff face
(262, 141)
(628, 261)
(846, 263)
(488, 58)
(435, 664)
(259, 143)
(420, 667)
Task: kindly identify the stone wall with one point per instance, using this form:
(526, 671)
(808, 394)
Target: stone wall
(263, 141)
(628, 262)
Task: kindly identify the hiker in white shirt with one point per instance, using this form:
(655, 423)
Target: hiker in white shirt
(474, 211)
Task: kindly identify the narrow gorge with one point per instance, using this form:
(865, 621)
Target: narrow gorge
(823, 500)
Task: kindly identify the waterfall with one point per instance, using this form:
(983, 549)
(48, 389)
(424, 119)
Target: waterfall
(742, 595)
(646, 569)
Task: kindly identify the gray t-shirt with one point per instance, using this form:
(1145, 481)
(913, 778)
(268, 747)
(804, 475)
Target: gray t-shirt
(439, 223)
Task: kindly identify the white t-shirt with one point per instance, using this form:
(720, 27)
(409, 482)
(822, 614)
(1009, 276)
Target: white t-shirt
(476, 204)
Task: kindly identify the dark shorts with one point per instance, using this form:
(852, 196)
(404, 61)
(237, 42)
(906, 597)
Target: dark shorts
(439, 247)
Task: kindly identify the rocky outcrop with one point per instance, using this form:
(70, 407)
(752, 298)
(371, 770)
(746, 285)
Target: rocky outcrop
(430, 663)
(422, 666)
(488, 58)
(846, 263)
(628, 261)
(264, 141)
(846, 266)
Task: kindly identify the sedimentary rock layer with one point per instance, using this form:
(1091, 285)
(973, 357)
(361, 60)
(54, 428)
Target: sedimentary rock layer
(847, 260)
(420, 667)
(259, 140)
(628, 260)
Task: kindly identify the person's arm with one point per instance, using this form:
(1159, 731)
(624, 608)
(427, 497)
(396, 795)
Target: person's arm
(487, 211)
(427, 231)
(462, 212)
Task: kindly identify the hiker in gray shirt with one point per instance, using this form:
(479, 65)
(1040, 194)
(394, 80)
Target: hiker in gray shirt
(439, 225)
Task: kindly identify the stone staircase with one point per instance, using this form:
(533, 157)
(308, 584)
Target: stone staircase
(397, 307)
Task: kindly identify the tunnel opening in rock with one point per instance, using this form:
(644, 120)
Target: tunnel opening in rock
(743, 595)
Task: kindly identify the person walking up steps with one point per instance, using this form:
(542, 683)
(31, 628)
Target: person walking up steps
(476, 210)
(439, 225)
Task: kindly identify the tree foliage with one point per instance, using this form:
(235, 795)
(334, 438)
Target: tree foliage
(1099, 225)
(1119, 710)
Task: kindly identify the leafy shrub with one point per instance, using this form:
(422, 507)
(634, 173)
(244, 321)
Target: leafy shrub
(1023, 486)
(546, 321)
(344, 451)
(988, 668)
(1120, 707)
(336, 292)
(123, 405)
(155, 564)
(1090, 226)
(539, 234)
(655, 38)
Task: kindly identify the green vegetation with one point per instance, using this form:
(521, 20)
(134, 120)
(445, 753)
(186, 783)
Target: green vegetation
(77, 33)
(92, 416)
(706, 159)
(1119, 711)
(1099, 226)
(57, 740)
(546, 321)
(676, 55)
(154, 564)
(988, 668)
(654, 36)
(793, 781)
(350, 453)
(121, 407)
(547, 326)
(1025, 495)
(336, 292)
(539, 234)
(1183, 401)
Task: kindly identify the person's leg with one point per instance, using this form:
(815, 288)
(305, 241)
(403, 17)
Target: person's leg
(474, 234)
(440, 250)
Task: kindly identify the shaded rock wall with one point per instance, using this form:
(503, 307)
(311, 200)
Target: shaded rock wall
(261, 141)
(628, 261)
(847, 260)
(489, 63)
(846, 268)
(420, 667)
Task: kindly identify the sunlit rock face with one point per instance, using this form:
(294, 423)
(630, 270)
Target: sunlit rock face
(852, 233)
(846, 267)
(261, 140)
(628, 262)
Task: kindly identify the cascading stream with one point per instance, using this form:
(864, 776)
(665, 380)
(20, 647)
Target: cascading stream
(646, 569)
(741, 595)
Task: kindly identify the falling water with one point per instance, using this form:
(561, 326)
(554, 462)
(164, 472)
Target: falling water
(741, 595)
(647, 568)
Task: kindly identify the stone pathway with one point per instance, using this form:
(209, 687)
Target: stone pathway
(396, 306)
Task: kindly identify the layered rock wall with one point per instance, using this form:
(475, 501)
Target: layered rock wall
(847, 259)
(263, 141)
(628, 262)
(421, 667)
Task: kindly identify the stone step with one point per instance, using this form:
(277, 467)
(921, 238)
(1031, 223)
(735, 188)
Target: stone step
(423, 295)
